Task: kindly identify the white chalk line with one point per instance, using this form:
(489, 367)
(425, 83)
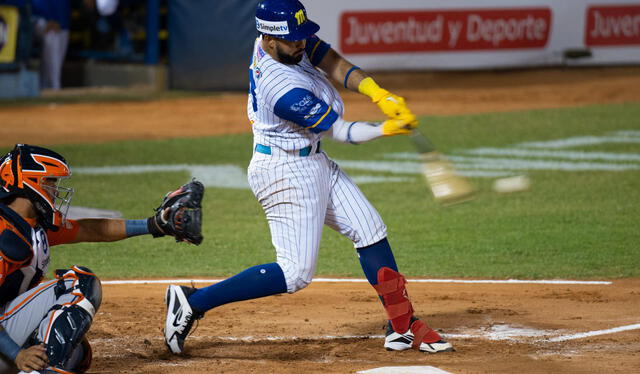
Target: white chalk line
(570, 155)
(587, 334)
(494, 333)
(358, 280)
(581, 141)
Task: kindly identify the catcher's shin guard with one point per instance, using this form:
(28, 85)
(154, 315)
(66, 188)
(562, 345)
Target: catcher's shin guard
(81, 358)
(64, 327)
(406, 331)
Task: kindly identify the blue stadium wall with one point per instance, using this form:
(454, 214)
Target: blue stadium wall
(210, 43)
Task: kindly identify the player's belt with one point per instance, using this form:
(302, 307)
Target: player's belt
(304, 152)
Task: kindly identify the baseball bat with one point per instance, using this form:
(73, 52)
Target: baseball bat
(448, 188)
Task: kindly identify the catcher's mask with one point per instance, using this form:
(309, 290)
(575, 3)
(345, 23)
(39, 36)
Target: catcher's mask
(36, 173)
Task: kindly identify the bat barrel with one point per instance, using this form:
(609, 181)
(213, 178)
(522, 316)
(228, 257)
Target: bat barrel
(448, 187)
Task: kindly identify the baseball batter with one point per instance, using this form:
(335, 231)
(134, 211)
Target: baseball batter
(43, 324)
(292, 105)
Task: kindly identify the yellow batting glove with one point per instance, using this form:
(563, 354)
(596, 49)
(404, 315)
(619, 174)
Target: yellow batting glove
(393, 106)
(401, 126)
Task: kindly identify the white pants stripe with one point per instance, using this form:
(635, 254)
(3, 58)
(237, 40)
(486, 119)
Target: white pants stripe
(301, 194)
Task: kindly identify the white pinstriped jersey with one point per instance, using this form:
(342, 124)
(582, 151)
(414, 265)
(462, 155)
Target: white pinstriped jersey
(291, 107)
(269, 82)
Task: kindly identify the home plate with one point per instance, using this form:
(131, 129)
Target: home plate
(405, 370)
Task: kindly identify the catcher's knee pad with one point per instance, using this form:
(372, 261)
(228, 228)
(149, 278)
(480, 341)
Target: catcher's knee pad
(84, 285)
(392, 290)
(66, 324)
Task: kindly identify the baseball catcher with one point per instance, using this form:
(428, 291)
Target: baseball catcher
(43, 323)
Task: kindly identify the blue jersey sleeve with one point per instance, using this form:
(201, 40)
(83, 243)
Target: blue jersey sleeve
(316, 49)
(305, 109)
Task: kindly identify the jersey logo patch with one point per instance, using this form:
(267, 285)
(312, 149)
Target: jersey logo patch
(302, 104)
(40, 241)
(261, 54)
(313, 111)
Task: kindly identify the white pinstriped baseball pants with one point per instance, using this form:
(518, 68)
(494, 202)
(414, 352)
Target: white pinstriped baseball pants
(299, 195)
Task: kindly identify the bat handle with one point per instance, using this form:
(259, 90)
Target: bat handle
(423, 145)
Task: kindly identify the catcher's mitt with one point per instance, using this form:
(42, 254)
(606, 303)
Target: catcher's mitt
(180, 214)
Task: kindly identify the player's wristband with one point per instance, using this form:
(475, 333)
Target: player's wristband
(349, 137)
(370, 88)
(346, 78)
(8, 347)
(135, 227)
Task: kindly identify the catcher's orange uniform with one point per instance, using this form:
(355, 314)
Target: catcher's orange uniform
(24, 251)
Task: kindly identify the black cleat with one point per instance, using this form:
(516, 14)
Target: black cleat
(180, 317)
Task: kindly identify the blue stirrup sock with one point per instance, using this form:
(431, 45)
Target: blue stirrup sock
(374, 257)
(252, 283)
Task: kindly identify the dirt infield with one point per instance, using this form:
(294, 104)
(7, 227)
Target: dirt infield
(501, 328)
(321, 329)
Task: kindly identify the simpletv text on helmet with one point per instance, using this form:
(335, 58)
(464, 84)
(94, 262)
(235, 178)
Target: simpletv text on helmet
(272, 28)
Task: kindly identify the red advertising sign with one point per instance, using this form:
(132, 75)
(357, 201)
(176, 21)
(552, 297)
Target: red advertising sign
(444, 30)
(612, 25)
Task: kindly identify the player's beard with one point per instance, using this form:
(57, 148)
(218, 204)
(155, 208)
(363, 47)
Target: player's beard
(288, 59)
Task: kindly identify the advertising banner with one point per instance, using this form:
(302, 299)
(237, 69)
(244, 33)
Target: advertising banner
(9, 18)
(477, 34)
(613, 25)
(444, 30)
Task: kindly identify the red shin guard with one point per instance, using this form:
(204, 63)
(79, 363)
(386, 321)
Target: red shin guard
(392, 290)
(423, 334)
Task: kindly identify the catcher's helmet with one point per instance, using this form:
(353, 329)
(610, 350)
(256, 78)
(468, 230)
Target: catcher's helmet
(35, 173)
(284, 19)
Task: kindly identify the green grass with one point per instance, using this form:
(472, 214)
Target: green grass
(569, 225)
